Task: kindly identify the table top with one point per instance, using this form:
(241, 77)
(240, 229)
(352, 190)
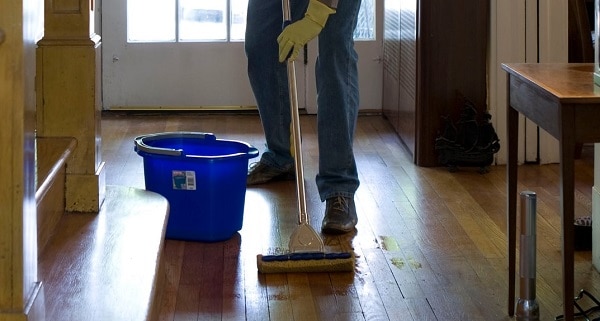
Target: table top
(569, 82)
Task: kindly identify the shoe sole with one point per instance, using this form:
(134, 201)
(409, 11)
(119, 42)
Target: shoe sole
(336, 230)
(281, 177)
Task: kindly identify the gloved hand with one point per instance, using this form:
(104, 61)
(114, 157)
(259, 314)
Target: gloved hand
(295, 36)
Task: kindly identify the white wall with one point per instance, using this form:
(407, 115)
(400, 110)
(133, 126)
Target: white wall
(515, 37)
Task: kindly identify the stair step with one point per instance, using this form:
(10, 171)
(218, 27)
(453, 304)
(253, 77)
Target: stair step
(52, 155)
(107, 265)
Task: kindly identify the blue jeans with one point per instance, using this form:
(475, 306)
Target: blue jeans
(337, 90)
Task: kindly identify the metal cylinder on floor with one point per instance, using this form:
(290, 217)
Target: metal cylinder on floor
(527, 307)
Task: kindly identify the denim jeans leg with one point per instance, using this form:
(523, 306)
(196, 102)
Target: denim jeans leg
(268, 77)
(338, 103)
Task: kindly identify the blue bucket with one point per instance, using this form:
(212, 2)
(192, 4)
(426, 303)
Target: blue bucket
(202, 177)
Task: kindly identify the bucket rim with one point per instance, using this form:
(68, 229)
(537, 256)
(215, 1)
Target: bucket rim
(141, 145)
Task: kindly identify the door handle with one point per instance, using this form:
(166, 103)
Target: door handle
(2, 37)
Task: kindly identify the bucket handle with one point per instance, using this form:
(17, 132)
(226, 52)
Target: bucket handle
(251, 153)
(142, 146)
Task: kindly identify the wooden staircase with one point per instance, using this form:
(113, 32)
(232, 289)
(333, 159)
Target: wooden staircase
(97, 266)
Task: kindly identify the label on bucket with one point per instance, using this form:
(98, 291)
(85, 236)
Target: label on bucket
(184, 180)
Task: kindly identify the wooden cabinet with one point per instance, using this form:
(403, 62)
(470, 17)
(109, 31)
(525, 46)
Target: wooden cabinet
(434, 51)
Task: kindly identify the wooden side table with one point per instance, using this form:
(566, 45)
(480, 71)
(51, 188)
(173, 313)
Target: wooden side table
(561, 99)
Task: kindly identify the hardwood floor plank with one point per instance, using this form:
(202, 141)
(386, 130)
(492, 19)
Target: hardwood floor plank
(234, 307)
(193, 265)
(487, 290)
(278, 295)
(346, 297)
(188, 298)
(301, 298)
(212, 285)
(255, 292)
(324, 296)
(372, 302)
(174, 260)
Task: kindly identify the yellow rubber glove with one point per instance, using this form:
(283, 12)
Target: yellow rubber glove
(295, 36)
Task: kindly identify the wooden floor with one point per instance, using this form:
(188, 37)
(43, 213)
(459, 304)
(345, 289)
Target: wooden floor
(431, 244)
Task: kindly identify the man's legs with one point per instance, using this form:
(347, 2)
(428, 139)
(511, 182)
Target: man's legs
(338, 99)
(268, 79)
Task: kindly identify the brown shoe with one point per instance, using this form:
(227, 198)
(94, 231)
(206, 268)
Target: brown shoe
(260, 173)
(340, 215)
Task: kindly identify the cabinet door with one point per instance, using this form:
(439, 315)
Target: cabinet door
(391, 61)
(435, 51)
(407, 102)
(399, 74)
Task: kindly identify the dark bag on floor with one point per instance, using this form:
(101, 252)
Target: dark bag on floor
(468, 143)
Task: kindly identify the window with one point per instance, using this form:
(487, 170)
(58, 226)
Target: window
(207, 20)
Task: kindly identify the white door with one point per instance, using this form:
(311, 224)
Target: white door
(207, 74)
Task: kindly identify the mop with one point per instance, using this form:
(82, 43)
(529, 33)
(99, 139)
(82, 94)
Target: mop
(306, 249)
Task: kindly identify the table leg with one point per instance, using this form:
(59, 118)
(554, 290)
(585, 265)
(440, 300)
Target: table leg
(567, 178)
(512, 121)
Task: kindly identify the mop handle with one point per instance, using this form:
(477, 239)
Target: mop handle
(291, 71)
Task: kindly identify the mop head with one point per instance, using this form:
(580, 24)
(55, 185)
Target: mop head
(306, 262)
